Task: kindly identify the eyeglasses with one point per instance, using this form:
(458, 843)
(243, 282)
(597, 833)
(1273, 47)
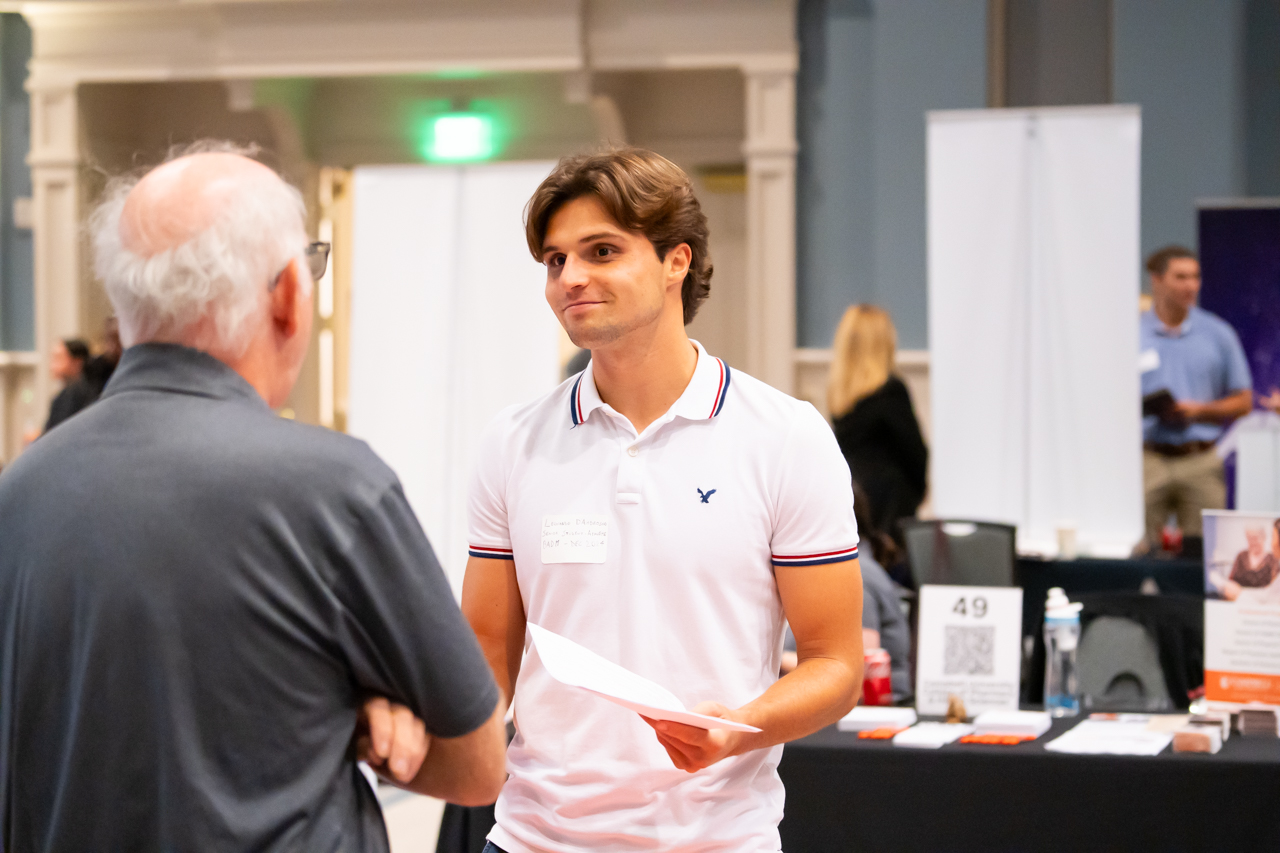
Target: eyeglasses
(317, 254)
(318, 259)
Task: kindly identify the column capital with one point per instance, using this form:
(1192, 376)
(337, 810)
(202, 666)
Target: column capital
(55, 127)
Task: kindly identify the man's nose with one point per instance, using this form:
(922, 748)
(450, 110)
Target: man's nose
(574, 273)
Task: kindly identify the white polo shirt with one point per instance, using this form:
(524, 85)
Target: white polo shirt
(734, 479)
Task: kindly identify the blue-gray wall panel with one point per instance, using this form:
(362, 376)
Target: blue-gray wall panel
(17, 265)
(834, 212)
(1182, 61)
(928, 56)
(1262, 97)
(869, 71)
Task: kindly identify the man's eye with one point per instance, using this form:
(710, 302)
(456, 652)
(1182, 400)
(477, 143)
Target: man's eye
(603, 251)
(555, 261)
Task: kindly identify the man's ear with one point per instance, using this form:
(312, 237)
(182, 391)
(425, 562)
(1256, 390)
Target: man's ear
(288, 299)
(677, 262)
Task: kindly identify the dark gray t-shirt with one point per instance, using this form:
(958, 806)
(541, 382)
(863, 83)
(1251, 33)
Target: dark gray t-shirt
(195, 597)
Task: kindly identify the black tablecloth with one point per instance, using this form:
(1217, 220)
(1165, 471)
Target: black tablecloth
(844, 794)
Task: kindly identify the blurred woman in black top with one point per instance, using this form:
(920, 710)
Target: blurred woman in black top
(874, 421)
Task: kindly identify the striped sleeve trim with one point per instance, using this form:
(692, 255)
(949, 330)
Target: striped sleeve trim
(490, 553)
(816, 559)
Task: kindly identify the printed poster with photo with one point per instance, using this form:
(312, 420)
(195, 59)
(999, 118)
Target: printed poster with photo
(1241, 608)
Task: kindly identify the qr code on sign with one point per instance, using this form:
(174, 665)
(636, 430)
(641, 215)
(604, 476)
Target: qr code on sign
(970, 650)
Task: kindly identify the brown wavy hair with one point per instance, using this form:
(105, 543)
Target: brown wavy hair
(643, 192)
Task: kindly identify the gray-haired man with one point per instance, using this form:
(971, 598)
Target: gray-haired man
(196, 595)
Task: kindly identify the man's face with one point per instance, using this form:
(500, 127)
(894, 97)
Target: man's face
(602, 280)
(61, 364)
(1180, 284)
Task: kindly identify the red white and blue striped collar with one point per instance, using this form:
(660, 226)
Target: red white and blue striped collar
(703, 397)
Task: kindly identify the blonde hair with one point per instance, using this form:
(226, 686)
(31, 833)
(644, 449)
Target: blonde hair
(863, 356)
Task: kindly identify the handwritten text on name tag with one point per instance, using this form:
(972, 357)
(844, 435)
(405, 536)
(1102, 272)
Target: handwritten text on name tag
(575, 538)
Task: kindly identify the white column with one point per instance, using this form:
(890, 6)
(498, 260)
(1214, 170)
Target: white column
(55, 185)
(770, 150)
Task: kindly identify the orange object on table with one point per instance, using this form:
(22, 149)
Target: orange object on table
(997, 740)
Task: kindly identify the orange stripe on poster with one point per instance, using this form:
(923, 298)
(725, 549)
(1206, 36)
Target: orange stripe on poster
(1241, 687)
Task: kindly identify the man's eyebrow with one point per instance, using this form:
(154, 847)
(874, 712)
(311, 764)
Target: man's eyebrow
(603, 235)
(590, 238)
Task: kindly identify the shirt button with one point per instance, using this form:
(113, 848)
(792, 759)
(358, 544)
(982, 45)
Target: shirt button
(632, 451)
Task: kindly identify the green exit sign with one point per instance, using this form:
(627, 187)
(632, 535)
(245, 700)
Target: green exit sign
(460, 138)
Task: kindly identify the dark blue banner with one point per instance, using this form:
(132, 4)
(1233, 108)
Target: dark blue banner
(1240, 264)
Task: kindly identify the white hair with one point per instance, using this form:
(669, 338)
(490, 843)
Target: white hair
(223, 273)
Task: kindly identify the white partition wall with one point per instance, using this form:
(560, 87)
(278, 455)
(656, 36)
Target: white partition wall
(448, 326)
(1033, 334)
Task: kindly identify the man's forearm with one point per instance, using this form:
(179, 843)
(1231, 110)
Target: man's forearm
(1228, 408)
(817, 693)
(467, 770)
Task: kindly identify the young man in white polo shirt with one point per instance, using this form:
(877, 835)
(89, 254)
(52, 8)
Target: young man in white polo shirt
(727, 508)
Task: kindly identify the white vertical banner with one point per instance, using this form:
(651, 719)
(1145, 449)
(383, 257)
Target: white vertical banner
(448, 326)
(1033, 288)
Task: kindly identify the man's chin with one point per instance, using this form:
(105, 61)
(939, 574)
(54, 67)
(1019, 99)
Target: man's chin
(591, 337)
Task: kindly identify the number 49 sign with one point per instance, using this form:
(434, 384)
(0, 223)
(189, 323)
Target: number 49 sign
(970, 646)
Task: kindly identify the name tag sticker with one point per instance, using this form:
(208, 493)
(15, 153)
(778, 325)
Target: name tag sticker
(574, 538)
(1148, 361)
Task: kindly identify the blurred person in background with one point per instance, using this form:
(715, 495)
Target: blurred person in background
(884, 624)
(98, 369)
(1194, 360)
(874, 421)
(66, 363)
(197, 597)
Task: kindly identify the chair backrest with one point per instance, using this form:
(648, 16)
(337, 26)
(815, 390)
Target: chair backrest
(965, 553)
(1118, 664)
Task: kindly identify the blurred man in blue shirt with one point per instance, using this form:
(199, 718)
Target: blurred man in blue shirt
(1196, 357)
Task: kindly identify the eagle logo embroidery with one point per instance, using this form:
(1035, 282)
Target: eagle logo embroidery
(706, 496)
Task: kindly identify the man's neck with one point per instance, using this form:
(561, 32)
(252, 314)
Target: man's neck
(1172, 314)
(255, 364)
(643, 374)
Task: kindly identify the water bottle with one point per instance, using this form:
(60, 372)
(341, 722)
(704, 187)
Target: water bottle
(1061, 636)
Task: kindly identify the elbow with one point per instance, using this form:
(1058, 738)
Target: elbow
(851, 698)
(488, 773)
(855, 685)
(480, 793)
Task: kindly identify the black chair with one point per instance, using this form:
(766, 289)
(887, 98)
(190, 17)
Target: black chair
(1123, 680)
(964, 553)
(1118, 664)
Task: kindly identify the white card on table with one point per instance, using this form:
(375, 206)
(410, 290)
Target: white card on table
(576, 666)
(575, 538)
(970, 645)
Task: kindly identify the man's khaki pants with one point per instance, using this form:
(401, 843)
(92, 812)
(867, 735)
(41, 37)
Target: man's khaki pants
(1183, 485)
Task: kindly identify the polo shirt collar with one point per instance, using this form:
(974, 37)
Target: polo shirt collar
(1177, 331)
(181, 370)
(703, 397)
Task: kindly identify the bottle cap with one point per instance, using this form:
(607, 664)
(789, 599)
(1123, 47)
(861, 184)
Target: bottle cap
(1056, 605)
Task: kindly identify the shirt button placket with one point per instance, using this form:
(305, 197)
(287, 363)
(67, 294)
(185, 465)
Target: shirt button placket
(629, 474)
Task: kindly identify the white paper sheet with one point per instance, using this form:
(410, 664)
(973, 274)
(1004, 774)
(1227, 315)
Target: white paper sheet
(931, 735)
(1020, 723)
(576, 666)
(869, 717)
(1111, 737)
